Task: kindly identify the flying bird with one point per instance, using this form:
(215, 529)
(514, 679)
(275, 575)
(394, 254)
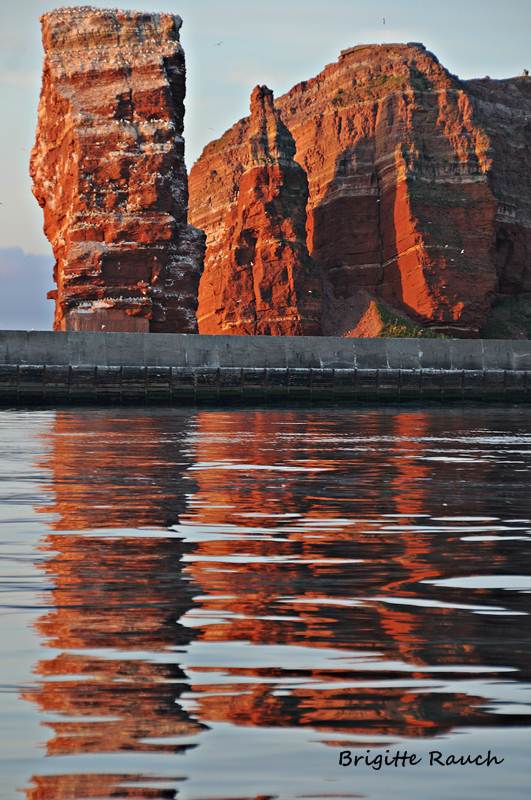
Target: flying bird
(218, 43)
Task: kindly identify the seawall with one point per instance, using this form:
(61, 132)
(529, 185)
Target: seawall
(73, 367)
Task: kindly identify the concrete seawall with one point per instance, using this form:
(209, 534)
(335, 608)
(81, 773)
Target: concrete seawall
(47, 367)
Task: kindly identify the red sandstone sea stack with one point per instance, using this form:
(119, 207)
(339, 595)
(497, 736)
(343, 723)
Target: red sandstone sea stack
(259, 278)
(108, 169)
(419, 203)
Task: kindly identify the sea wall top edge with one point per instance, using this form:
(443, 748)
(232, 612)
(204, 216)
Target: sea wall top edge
(295, 352)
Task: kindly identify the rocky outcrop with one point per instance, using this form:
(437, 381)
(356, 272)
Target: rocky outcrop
(503, 108)
(259, 278)
(108, 169)
(418, 202)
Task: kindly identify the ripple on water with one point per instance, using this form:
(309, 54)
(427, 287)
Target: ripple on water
(252, 590)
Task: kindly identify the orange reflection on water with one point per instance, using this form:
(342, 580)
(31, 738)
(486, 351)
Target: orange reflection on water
(291, 530)
(91, 785)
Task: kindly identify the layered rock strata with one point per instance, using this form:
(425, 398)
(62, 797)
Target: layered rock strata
(418, 201)
(260, 278)
(503, 108)
(108, 169)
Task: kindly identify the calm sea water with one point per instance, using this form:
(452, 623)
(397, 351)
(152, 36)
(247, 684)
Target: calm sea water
(214, 604)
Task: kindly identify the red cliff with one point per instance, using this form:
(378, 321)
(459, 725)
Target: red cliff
(504, 110)
(419, 204)
(108, 169)
(259, 278)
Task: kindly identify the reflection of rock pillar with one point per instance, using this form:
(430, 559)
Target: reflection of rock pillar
(122, 595)
(108, 169)
(118, 593)
(79, 786)
(118, 470)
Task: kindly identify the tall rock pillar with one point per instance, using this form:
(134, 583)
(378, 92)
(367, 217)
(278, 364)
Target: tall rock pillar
(259, 277)
(108, 170)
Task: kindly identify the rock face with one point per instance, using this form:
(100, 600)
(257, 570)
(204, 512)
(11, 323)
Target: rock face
(503, 108)
(259, 278)
(419, 195)
(108, 169)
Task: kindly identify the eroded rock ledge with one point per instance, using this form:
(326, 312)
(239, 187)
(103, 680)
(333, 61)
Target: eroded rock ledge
(108, 169)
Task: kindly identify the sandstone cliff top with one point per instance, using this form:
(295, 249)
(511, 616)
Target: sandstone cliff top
(362, 73)
(80, 28)
(358, 48)
(80, 11)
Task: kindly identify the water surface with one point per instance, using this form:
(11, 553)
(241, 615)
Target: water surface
(214, 603)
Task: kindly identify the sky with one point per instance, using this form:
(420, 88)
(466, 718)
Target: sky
(230, 46)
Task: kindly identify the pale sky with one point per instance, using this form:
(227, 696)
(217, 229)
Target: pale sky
(277, 42)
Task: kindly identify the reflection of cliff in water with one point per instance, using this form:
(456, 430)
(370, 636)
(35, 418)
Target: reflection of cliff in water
(302, 530)
(325, 551)
(122, 594)
(119, 469)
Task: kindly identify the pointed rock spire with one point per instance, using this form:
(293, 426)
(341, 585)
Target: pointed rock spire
(260, 278)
